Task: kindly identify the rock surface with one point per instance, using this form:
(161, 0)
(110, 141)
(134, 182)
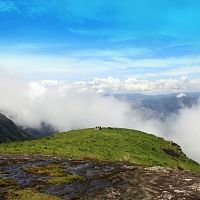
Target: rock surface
(102, 180)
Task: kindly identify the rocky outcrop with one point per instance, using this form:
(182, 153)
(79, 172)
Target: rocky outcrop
(101, 180)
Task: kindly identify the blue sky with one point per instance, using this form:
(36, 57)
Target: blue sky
(82, 39)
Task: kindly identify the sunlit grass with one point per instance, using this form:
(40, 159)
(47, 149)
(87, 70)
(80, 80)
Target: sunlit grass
(108, 144)
(50, 170)
(28, 194)
(56, 173)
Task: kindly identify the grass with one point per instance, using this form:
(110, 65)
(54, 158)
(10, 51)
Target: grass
(7, 182)
(64, 179)
(50, 170)
(28, 194)
(108, 144)
(56, 172)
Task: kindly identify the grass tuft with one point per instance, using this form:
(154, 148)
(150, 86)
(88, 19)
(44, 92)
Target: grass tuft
(7, 182)
(28, 194)
(50, 170)
(56, 172)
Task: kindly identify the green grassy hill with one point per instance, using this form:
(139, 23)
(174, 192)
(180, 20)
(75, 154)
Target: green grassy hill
(108, 144)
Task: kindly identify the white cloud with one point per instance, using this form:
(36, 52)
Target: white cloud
(34, 66)
(114, 85)
(180, 95)
(87, 64)
(72, 105)
(65, 105)
(184, 129)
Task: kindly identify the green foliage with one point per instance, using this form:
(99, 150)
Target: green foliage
(68, 178)
(50, 170)
(28, 194)
(7, 182)
(56, 172)
(108, 144)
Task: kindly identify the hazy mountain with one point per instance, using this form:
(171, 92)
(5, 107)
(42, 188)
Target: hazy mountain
(9, 131)
(161, 106)
(43, 130)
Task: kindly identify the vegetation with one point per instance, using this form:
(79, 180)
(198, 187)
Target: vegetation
(56, 172)
(68, 178)
(50, 170)
(28, 194)
(7, 182)
(107, 144)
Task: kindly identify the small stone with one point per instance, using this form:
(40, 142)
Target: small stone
(180, 191)
(188, 179)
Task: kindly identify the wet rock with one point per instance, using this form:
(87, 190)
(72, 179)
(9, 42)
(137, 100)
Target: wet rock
(102, 180)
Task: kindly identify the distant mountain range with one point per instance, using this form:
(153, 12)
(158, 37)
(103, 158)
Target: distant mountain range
(161, 106)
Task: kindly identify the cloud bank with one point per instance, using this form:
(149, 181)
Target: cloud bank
(64, 105)
(184, 129)
(72, 105)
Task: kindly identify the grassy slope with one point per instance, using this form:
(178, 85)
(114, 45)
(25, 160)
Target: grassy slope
(108, 144)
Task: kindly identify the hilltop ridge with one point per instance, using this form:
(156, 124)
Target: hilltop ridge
(108, 144)
(106, 163)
